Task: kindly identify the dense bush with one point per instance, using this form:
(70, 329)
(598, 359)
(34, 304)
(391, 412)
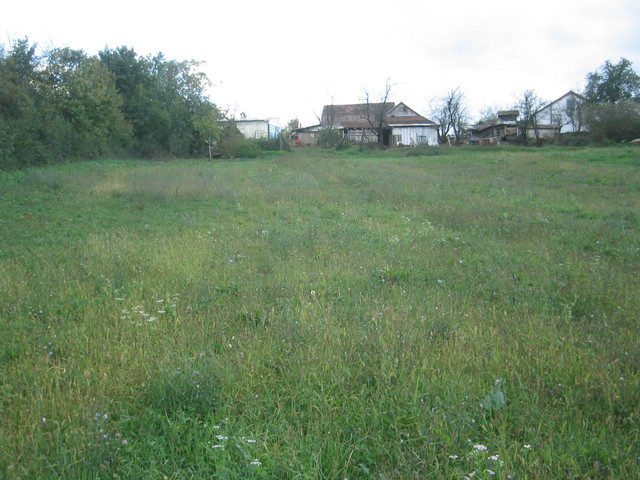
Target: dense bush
(274, 144)
(239, 147)
(329, 138)
(575, 139)
(614, 121)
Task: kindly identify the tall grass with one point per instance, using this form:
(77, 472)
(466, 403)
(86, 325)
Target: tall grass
(323, 315)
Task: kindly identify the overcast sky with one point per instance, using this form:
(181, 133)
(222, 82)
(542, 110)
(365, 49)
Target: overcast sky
(286, 58)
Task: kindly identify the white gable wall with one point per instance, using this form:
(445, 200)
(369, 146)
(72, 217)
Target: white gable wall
(556, 113)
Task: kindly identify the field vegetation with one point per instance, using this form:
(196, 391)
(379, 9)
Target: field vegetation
(452, 313)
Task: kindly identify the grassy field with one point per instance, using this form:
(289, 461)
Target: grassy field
(464, 313)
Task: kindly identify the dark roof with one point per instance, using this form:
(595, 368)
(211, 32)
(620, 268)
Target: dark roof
(358, 109)
(338, 115)
(355, 115)
(413, 119)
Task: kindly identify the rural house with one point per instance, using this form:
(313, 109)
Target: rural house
(563, 115)
(400, 124)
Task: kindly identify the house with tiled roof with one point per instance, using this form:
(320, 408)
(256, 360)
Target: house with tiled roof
(401, 125)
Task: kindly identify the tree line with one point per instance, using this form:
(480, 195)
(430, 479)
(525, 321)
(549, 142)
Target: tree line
(65, 104)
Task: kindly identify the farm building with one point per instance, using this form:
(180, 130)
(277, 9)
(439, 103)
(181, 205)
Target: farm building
(306, 135)
(401, 125)
(496, 131)
(257, 128)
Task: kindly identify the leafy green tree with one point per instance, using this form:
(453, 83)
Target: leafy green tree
(613, 83)
(30, 128)
(164, 101)
(207, 126)
(86, 96)
(613, 96)
(180, 92)
(136, 86)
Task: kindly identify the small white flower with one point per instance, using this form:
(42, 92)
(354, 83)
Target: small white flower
(527, 446)
(491, 472)
(255, 462)
(454, 457)
(222, 437)
(494, 457)
(217, 446)
(480, 448)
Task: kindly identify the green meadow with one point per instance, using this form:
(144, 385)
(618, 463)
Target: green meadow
(409, 314)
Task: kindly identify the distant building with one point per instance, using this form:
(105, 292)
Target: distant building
(257, 128)
(400, 124)
(501, 130)
(563, 115)
(306, 135)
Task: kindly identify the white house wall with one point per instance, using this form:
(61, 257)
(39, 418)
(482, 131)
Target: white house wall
(555, 114)
(253, 129)
(414, 135)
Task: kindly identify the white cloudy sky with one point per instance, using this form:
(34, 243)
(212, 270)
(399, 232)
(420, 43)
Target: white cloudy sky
(286, 58)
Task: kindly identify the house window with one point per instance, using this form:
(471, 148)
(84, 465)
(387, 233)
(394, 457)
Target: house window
(396, 139)
(422, 139)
